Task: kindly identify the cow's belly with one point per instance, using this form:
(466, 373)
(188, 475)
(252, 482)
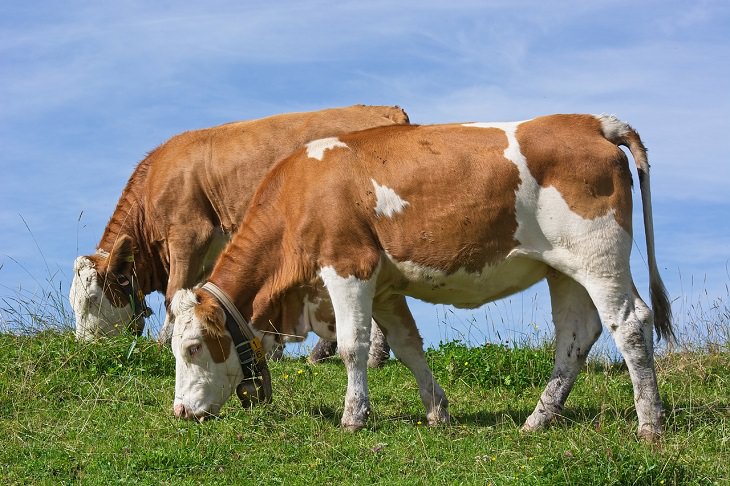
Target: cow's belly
(461, 288)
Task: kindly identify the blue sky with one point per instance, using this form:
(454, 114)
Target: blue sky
(88, 88)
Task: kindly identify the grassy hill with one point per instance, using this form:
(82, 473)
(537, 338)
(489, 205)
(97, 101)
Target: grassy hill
(102, 414)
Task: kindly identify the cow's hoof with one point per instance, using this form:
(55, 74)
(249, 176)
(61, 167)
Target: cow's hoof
(439, 415)
(322, 350)
(353, 427)
(538, 420)
(354, 418)
(649, 434)
(441, 419)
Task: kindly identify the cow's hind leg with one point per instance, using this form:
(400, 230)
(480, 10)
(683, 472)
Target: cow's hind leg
(577, 327)
(352, 300)
(324, 349)
(630, 322)
(403, 337)
(379, 350)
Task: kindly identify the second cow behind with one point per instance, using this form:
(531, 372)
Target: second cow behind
(181, 206)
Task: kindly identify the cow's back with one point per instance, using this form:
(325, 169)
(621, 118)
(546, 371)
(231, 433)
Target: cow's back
(452, 197)
(212, 173)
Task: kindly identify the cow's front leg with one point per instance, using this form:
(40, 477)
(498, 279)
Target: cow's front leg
(352, 300)
(192, 254)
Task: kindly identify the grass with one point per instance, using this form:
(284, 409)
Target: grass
(100, 414)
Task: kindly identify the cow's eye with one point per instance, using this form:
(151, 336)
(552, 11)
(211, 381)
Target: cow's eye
(194, 349)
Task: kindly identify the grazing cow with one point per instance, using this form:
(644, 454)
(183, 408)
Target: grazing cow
(454, 214)
(181, 206)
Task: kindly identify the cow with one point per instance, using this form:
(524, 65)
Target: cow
(459, 214)
(181, 206)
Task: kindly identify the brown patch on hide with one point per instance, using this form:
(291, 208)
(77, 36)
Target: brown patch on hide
(114, 270)
(291, 308)
(219, 347)
(459, 186)
(202, 180)
(121, 256)
(571, 154)
(288, 311)
(212, 318)
(325, 312)
(210, 314)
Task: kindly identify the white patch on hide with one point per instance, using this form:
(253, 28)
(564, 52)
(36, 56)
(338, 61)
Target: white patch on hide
(504, 126)
(387, 201)
(183, 301)
(348, 294)
(316, 148)
(95, 314)
(613, 128)
(308, 321)
(550, 231)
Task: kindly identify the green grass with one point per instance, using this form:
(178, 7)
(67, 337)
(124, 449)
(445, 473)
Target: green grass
(102, 414)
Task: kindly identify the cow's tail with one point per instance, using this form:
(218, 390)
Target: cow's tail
(622, 133)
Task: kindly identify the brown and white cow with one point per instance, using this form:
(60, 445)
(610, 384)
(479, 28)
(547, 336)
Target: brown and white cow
(455, 214)
(181, 206)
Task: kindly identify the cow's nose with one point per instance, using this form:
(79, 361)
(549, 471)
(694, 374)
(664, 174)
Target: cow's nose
(180, 411)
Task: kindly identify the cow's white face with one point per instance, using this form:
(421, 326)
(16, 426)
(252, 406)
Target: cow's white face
(96, 314)
(207, 370)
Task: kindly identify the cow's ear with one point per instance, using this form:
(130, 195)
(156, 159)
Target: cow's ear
(210, 313)
(122, 255)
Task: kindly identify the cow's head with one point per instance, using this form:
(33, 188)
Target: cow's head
(207, 367)
(104, 293)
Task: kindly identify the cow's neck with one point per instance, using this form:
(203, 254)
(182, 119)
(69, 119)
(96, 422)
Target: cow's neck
(246, 272)
(129, 219)
(238, 286)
